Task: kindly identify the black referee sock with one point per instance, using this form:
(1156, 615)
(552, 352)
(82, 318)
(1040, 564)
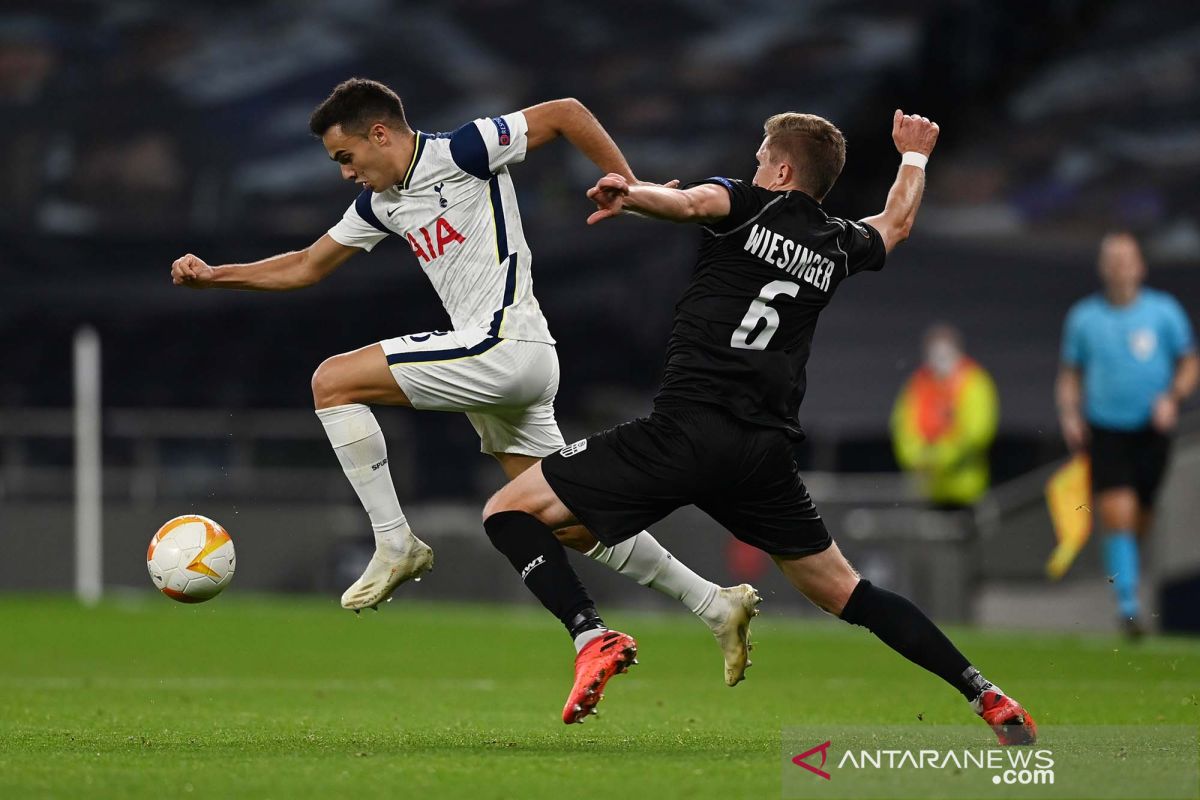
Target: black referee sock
(542, 563)
(903, 627)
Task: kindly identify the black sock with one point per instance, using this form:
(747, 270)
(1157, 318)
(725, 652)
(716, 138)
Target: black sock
(542, 563)
(903, 627)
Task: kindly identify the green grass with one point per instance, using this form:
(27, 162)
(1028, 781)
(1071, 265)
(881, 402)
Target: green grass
(292, 698)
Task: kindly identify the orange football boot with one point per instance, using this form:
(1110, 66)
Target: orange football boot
(1011, 723)
(610, 653)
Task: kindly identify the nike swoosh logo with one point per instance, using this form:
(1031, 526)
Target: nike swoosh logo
(392, 211)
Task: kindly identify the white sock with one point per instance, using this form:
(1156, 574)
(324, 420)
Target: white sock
(358, 443)
(648, 562)
(582, 639)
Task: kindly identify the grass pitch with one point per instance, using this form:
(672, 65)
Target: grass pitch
(295, 698)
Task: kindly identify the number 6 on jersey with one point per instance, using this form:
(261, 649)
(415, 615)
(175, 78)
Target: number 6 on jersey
(759, 310)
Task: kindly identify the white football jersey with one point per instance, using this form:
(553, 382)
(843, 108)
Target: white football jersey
(457, 209)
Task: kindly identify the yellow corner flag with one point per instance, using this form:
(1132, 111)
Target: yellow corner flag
(1067, 494)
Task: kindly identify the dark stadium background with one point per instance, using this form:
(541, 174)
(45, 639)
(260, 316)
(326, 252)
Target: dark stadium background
(131, 133)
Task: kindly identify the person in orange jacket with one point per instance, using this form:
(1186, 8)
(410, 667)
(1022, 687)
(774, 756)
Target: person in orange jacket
(944, 421)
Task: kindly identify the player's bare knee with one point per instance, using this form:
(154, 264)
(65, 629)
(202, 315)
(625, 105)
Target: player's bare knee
(489, 508)
(495, 504)
(326, 389)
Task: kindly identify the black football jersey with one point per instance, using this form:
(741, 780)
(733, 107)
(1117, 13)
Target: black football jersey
(744, 327)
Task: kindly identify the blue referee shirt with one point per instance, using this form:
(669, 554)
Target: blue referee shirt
(1127, 354)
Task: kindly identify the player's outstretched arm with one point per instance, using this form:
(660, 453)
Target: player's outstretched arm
(613, 194)
(293, 270)
(573, 121)
(915, 137)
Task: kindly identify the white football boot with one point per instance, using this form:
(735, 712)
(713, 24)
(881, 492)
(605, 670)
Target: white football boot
(384, 573)
(733, 630)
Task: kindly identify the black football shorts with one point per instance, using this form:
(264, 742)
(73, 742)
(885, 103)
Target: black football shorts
(744, 476)
(1129, 459)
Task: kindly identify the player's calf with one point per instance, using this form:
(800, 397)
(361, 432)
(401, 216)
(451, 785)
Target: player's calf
(827, 578)
(358, 443)
(542, 564)
(905, 628)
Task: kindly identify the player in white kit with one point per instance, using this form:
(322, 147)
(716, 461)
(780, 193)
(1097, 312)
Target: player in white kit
(449, 195)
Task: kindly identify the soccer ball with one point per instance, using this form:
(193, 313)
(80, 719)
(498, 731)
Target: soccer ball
(190, 559)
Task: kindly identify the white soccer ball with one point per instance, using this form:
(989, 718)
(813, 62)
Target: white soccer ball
(190, 559)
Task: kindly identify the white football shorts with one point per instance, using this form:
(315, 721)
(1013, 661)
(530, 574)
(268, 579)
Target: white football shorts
(506, 387)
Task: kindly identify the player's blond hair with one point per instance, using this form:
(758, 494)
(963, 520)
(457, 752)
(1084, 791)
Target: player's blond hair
(812, 145)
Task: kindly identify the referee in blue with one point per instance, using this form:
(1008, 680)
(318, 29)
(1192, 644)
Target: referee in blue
(1128, 360)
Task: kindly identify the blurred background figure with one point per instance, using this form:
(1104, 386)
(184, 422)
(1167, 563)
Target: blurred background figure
(944, 422)
(1128, 359)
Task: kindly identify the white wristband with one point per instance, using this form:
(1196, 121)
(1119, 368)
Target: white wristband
(914, 159)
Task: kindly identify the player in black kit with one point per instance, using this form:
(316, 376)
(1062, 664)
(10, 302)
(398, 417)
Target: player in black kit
(720, 436)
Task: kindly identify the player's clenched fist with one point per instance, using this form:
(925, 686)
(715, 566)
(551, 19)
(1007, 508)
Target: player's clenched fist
(191, 271)
(913, 133)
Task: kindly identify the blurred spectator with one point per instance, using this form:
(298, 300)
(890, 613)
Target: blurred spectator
(29, 60)
(944, 421)
(132, 140)
(153, 119)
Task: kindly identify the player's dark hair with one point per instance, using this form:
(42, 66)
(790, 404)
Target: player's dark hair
(812, 145)
(356, 105)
